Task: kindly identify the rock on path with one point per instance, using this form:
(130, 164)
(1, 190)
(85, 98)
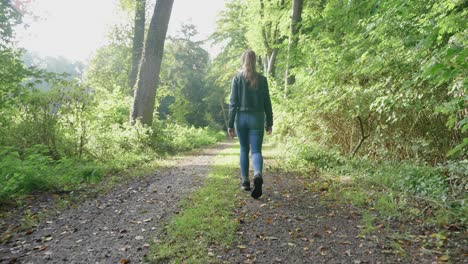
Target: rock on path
(115, 226)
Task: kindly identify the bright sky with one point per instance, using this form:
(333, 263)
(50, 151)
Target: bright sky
(76, 28)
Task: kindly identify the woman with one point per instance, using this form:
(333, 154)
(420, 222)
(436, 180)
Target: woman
(249, 105)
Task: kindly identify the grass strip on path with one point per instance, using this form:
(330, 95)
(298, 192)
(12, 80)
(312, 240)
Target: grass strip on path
(206, 222)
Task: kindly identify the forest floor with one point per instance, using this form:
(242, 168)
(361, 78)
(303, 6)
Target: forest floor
(288, 224)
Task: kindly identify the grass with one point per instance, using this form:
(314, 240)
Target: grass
(205, 223)
(367, 224)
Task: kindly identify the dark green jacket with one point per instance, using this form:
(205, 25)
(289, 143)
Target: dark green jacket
(247, 99)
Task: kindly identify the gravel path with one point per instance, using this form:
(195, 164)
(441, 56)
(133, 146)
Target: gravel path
(114, 227)
(291, 224)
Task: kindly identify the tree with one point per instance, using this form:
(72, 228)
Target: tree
(271, 16)
(138, 39)
(296, 19)
(184, 73)
(150, 65)
(110, 67)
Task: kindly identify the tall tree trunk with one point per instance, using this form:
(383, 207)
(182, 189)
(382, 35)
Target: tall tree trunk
(272, 62)
(138, 40)
(150, 65)
(274, 51)
(296, 19)
(225, 118)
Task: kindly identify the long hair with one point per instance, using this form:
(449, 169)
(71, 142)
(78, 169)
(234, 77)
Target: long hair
(249, 70)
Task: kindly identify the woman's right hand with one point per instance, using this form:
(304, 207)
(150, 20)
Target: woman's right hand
(231, 132)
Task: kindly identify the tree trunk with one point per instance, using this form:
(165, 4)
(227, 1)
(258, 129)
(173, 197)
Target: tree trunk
(225, 118)
(138, 40)
(150, 65)
(294, 29)
(271, 62)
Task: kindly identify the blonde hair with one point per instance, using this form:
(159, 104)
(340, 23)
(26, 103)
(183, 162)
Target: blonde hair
(249, 70)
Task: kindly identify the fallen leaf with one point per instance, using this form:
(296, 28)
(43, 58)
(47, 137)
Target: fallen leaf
(40, 248)
(241, 246)
(124, 261)
(443, 258)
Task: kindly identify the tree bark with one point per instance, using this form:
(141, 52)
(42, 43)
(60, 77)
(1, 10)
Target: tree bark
(225, 118)
(138, 40)
(150, 65)
(296, 19)
(272, 62)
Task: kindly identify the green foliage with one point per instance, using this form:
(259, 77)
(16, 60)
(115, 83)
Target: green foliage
(183, 73)
(110, 68)
(58, 132)
(34, 170)
(172, 137)
(399, 66)
(9, 17)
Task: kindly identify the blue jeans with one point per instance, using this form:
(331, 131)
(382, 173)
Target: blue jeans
(250, 129)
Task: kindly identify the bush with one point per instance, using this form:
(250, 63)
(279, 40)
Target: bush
(171, 137)
(61, 138)
(34, 170)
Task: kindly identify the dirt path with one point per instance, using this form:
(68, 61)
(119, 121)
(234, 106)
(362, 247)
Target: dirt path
(115, 226)
(290, 224)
